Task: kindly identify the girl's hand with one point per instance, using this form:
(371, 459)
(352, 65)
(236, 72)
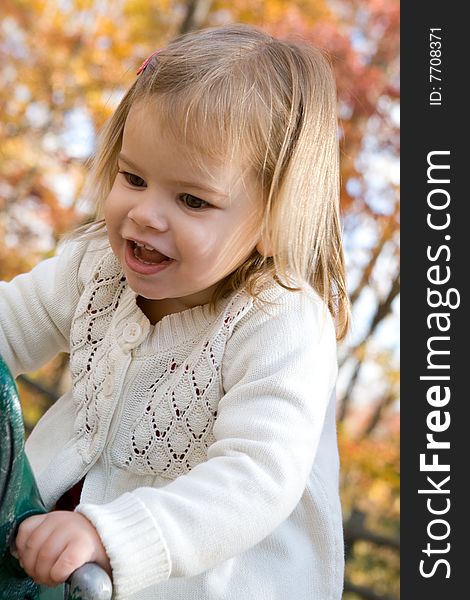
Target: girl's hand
(50, 547)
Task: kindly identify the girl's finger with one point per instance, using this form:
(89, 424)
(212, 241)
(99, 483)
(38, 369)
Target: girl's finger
(48, 554)
(73, 556)
(26, 528)
(31, 535)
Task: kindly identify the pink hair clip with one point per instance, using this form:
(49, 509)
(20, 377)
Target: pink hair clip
(146, 62)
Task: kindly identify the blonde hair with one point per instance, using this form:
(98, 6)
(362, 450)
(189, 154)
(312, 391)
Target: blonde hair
(274, 103)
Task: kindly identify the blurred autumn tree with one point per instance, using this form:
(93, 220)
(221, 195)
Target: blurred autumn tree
(66, 63)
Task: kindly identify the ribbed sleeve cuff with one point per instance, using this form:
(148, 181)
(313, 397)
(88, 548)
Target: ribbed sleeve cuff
(133, 541)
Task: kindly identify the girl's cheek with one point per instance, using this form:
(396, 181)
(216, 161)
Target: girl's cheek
(112, 207)
(107, 204)
(105, 210)
(204, 246)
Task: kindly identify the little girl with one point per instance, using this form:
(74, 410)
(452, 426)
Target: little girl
(199, 311)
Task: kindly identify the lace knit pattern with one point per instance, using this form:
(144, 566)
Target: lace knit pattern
(174, 429)
(166, 426)
(87, 361)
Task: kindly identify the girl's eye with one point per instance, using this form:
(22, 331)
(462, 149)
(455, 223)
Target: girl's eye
(193, 201)
(133, 180)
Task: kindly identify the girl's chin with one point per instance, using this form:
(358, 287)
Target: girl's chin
(144, 289)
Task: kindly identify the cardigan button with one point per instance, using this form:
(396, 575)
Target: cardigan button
(132, 333)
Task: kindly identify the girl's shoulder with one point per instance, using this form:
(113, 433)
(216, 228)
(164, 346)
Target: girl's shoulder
(83, 256)
(281, 330)
(278, 302)
(282, 314)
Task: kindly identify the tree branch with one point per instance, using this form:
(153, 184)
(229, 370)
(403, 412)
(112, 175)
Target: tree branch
(383, 309)
(196, 14)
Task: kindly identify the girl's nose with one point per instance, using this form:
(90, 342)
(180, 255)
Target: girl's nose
(149, 214)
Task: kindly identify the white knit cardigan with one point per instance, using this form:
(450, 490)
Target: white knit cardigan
(207, 441)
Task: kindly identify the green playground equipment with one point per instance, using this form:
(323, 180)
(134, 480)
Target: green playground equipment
(19, 499)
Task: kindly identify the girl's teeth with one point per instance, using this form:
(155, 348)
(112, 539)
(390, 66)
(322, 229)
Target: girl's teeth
(148, 255)
(139, 245)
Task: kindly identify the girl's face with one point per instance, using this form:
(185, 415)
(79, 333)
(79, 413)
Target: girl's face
(178, 226)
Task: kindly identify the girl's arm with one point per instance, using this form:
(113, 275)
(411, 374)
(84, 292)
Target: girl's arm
(279, 371)
(36, 310)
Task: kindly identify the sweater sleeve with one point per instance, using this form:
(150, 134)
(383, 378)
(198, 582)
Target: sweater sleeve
(36, 310)
(279, 370)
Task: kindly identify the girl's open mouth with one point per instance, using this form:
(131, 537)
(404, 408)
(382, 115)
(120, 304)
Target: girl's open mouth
(148, 255)
(145, 259)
